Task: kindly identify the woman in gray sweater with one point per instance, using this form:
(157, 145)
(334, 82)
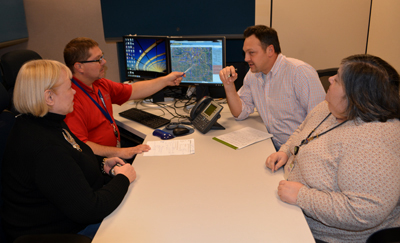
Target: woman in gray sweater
(342, 164)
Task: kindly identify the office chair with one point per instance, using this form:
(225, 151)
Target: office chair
(324, 75)
(390, 235)
(6, 122)
(10, 63)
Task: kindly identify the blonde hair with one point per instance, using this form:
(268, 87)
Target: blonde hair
(34, 78)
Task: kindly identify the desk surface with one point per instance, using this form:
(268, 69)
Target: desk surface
(215, 195)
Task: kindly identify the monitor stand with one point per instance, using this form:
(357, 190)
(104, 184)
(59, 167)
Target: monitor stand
(158, 97)
(201, 91)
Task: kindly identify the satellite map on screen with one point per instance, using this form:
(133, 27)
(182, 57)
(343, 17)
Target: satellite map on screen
(195, 61)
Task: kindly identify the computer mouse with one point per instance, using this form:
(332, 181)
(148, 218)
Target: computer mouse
(179, 131)
(162, 134)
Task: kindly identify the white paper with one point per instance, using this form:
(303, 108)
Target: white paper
(170, 147)
(244, 137)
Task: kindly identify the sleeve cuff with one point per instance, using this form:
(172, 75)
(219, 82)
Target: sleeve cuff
(285, 148)
(302, 197)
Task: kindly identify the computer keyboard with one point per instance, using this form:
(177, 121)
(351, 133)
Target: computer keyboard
(145, 118)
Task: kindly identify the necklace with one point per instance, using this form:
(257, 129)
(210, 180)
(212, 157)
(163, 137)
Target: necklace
(71, 140)
(305, 141)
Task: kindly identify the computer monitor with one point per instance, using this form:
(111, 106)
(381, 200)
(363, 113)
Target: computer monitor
(146, 57)
(201, 58)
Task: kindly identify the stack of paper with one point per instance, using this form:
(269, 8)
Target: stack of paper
(170, 147)
(242, 138)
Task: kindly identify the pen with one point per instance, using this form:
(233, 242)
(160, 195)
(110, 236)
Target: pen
(229, 75)
(187, 70)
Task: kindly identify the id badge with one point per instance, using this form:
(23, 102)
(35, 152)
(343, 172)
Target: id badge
(116, 135)
(288, 168)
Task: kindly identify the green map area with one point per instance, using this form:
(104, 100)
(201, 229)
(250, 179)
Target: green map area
(198, 58)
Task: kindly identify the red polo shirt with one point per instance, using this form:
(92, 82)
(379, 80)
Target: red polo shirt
(87, 122)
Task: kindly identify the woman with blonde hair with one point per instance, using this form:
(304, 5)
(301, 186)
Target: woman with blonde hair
(52, 182)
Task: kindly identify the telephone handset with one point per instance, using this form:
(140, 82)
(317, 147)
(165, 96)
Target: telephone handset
(205, 113)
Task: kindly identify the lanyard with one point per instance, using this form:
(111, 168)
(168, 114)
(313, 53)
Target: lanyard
(105, 112)
(308, 139)
(289, 167)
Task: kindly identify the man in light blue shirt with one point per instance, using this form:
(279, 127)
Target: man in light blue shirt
(283, 90)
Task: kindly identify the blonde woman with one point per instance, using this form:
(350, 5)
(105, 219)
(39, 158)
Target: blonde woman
(52, 182)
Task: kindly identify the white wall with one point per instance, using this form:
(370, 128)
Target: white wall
(52, 24)
(263, 12)
(384, 37)
(321, 33)
(318, 32)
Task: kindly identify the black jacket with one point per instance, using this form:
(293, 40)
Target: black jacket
(50, 187)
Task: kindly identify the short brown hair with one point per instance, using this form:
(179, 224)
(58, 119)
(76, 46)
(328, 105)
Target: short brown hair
(34, 78)
(266, 35)
(78, 50)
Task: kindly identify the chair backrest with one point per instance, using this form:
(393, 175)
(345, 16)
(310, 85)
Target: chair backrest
(10, 64)
(4, 98)
(12, 61)
(7, 120)
(324, 75)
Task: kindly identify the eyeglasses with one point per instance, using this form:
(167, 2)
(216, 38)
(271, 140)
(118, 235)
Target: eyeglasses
(99, 60)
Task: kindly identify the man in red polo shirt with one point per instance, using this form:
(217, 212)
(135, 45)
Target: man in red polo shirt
(92, 120)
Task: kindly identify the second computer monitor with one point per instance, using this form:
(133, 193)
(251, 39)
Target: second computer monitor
(201, 58)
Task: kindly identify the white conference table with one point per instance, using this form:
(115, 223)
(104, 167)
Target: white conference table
(217, 194)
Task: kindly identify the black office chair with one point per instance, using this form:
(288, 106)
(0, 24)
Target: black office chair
(10, 63)
(390, 235)
(6, 122)
(324, 75)
(6, 119)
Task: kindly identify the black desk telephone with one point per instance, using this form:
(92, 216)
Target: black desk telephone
(205, 114)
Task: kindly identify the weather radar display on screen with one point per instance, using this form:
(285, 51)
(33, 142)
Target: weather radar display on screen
(200, 59)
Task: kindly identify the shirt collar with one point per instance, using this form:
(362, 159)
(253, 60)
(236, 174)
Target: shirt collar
(274, 68)
(87, 88)
(277, 64)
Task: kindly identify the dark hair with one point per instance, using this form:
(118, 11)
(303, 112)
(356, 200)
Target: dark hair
(394, 77)
(78, 50)
(372, 88)
(266, 35)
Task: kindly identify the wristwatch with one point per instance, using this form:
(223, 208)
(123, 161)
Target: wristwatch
(102, 166)
(112, 171)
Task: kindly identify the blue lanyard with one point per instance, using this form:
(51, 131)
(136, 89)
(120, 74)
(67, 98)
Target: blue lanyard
(105, 112)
